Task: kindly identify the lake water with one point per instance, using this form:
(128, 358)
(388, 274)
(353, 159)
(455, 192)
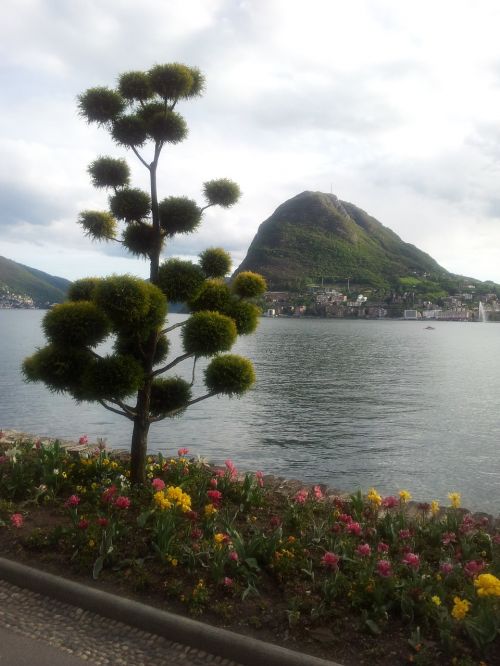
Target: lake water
(353, 404)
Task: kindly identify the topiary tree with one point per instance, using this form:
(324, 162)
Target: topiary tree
(138, 113)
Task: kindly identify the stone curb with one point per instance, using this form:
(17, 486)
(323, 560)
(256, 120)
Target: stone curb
(241, 649)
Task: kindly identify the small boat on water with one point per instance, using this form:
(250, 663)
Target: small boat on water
(430, 328)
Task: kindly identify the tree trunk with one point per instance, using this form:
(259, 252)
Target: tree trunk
(139, 447)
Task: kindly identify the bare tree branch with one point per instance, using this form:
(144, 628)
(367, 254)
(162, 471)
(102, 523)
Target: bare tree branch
(174, 326)
(194, 368)
(173, 412)
(140, 157)
(115, 411)
(179, 359)
(126, 408)
(205, 207)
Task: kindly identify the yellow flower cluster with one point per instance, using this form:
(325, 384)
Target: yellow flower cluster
(454, 499)
(436, 600)
(284, 553)
(219, 538)
(434, 507)
(209, 510)
(460, 608)
(173, 496)
(487, 585)
(404, 496)
(374, 497)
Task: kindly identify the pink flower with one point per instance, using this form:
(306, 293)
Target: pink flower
(473, 568)
(330, 561)
(364, 550)
(109, 494)
(446, 568)
(390, 502)
(318, 493)
(213, 483)
(496, 539)
(191, 515)
(158, 484)
(17, 520)
(196, 534)
(301, 496)
(404, 534)
(233, 555)
(382, 547)
(345, 518)
(384, 568)
(275, 521)
(354, 528)
(260, 478)
(83, 440)
(467, 524)
(233, 472)
(215, 496)
(122, 502)
(448, 537)
(228, 582)
(103, 522)
(183, 452)
(336, 528)
(412, 560)
(72, 501)
(83, 524)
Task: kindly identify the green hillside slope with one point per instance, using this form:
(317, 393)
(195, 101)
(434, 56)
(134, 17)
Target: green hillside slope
(24, 280)
(314, 235)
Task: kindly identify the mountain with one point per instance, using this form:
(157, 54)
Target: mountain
(26, 281)
(314, 236)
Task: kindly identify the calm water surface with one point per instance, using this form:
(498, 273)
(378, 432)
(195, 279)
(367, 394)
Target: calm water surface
(353, 404)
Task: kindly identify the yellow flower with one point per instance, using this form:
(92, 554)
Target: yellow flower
(460, 608)
(91, 543)
(374, 497)
(219, 538)
(64, 475)
(404, 496)
(105, 462)
(210, 510)
(454, 499)
(487, 585)
(436, 600)
(114, 465)
(434, 507)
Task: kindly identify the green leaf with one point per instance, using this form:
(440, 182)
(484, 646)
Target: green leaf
(98, 565)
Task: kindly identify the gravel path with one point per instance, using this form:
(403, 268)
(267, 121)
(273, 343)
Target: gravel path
(90, 637)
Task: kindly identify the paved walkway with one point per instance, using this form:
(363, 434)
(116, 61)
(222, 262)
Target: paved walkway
(39, 631)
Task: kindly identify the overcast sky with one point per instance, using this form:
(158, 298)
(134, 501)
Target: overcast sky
(392, 105)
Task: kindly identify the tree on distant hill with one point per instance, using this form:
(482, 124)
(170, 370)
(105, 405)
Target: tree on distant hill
(140, 112)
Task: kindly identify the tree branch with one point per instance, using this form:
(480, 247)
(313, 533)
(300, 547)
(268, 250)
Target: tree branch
(174, 326)
(112, 409)
(126, 408)
(194, 368)
(205, 207)
(173, 412)
(179, 359)
(140, 157)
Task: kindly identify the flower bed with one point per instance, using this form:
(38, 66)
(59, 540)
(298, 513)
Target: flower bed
(348, 578)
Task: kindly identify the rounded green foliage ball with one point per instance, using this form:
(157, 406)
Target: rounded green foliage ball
(131, 303)
(208, 333)
(222, 192)
(83, 289)
(76, 324)
(112, 376)
(180, 280)
(135, 86)
(100, 105)
(132, 345)
(249, 285)
(99, 225)
(130, 204)
(129, 131)
(167, 127)
(174, 80)
(109, 172)
(246, 316)
(229, 374)
(214, 295)
(179, 215)
(140, 239)
(215, 262)
(169, 395)
(60, 369)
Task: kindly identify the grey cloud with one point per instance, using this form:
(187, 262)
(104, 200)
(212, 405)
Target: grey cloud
(24, 204)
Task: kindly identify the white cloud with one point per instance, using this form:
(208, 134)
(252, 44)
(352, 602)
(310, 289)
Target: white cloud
(394, 105)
